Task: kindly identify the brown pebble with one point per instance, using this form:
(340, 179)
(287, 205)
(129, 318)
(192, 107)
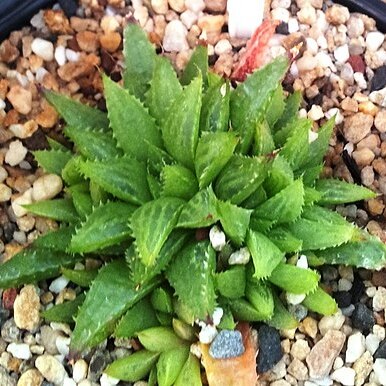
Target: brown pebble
(215, 5)
(375, 206)
(357, 126)
(363, 157)
(57, 21)
(88, 41)
(20, 98)
(349, 104)
(379, 166)
(380, 121)
(8, 52)
(110, 41)
(379, 278)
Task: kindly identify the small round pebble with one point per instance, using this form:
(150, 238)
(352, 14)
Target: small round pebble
(19, 350)
(227, 344)
(356, 346)
(51, 369)
(344, 375)
(16, 153)
(43, 48)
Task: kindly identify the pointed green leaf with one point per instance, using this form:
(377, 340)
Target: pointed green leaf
(80, 277)
(65, 312)
(231, 283)
(55, 145)
(178, 181)
(159, 339)
(70, 172)
(281, 318)
(164, 89)
(131, 123)
(259, 294)
(81, 199)
(369, 253)
(283, 276)
(296, 149)
(180, 129)
(320, 228)
(32, 265)
(321, 302)
(214, 150)
(283, 207)
(60, 209)
(340, 192)
(265, 254)
(276, 107)
(280, 176)
(255, 199)
(191, 276)
(77, 114)
(311, 196)
(245, 311)
(161, 300)
(200, 211)
(52, 161)
(139, 57)
(292, 106)
(263, 142)
(190, 373)
(250, 100)
(141, 273)
(57, 240)
(215, 108)
(170, 364)
(110, 295)
(107, 225)
(113, 177)
(284, 240)
(151, 225)
(139, 317)
(240, 178)
(93, 143)
(134, 367)
(234, 220)
(197, 65)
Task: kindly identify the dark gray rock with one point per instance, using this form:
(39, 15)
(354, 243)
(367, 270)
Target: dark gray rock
(379, 80)
(10, 332)
(362, 318)
(270, 351)
(381, 351)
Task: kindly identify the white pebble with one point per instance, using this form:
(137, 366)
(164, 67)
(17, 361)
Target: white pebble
(372, 343)
(3, 174)
(335, 112)
(281, 14)
(19, 350)
(188, 18)
(71, 55)
(342, 54)
(331, 322)
(207, 334)
(217, 315)
(68, 382)
(315, 113)
(380, 370)
(19, 130)
(360, 80)
(106, 380)
(58, 284)
(325, 61)
(294, 299)
(312, 46)
(242, 256)
(24, 199)
(37, 20)
(43, 48)
(2, 104)
(40, 74)
(79, 371)
(302, 262)
(62, 344)
(195, 6)
(356, 346)
(293, 25)
(322, 42)
(379, 299)
(15, 153)
(217, 238)
(338, 363)
(223, 46)
(344, 375)
(175, 37)
(60, 55)
(379, 331)
(5, 193)
(46, 187)
(374, 40)
(307, 15)
(51, 369)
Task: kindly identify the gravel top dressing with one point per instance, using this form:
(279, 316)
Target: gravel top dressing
(253, 234)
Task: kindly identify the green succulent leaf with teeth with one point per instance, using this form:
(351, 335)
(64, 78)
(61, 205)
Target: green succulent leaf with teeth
(143, 184)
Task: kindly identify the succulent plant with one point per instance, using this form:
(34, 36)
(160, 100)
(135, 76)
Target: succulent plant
(195, 195)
